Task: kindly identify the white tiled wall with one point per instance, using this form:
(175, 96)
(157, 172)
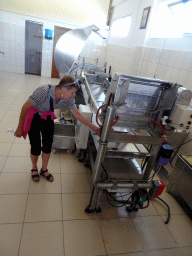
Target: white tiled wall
(171, 65)
(12, 43)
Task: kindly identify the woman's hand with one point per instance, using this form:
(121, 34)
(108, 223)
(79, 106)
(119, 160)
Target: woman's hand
(19, 132)
(97, 130)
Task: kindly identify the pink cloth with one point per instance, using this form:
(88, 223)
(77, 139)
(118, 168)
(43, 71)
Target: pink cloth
(29, 117)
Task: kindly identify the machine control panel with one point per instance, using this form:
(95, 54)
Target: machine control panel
(182, 117)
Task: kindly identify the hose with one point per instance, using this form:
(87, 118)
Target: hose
(117, 119)
(156, 122)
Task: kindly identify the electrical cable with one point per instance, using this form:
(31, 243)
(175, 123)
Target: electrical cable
(156, 171)
(169, 213)
(182, 144)
(105, 172)
(147, 204)
(120, 202)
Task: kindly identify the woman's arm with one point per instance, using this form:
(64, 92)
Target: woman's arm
(24, 109)
(85, 121)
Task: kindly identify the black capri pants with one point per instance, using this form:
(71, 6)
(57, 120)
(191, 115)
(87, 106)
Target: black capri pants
(41, 135)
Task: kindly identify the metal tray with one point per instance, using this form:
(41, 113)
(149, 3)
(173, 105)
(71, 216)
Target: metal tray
(64, 136)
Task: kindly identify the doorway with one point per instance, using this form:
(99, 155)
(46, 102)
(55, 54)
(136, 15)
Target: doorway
(58, 32)
(33, 47)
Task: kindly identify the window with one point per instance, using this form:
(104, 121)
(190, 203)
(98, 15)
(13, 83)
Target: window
(181, 12)
(120, 27)
(172, 20)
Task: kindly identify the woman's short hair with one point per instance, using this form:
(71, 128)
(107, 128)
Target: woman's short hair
(68, 82)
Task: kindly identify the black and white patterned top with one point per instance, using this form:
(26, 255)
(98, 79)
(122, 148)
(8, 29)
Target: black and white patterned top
(40, 99)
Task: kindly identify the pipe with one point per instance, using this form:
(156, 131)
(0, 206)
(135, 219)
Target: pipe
(124, 185)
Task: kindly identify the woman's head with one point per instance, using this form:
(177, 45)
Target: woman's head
(66, 88)
(68, 82)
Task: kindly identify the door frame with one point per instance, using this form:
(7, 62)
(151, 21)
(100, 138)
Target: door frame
(58, 32)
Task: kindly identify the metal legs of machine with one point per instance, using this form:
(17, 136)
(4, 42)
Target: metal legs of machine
(100, 184)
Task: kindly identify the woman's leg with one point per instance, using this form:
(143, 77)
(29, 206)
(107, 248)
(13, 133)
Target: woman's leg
(35, 141)
(34, 160)
(47, 130)
(45, 160)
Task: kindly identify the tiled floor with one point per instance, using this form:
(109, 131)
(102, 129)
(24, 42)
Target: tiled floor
(48, 219)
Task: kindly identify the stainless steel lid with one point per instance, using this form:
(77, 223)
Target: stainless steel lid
(69, 47)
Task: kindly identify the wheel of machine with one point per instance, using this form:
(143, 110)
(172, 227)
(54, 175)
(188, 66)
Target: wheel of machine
(88, 211)
(98, 210)
(136, 208)
(129, 209)
(69, 151)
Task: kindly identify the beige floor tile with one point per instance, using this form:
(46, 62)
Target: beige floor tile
(130, 254)
(15, 107)
(43, 207)
(13, 119)
(74, 183)
(10, 235)
(120, 236)
(65, 155)
(6, 137)
(42, 239)
(13, 113)
(161, 208)
(149, 221)
(54, 165)
(5, 106)
(3, 111)
(83, 238)
(5, 126)
(90, 180)
(186, 251)
(17, 164)
(180, 227)
(72, 165)
(20, 150)
(1, 117)
(5, 148)
(110, 212)
(165, 252)
(153, 233)
(46, 187)
(12, 208)
(149, 211)
(14, 183)
(21, 140)
(74, 206)
(55, 153)
(2, 162)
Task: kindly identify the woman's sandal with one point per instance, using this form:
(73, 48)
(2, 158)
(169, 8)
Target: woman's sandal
(35, 175)
(48, 177)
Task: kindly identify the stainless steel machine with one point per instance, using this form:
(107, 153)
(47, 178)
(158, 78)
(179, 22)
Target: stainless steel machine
(140, 106)
(140, 119)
